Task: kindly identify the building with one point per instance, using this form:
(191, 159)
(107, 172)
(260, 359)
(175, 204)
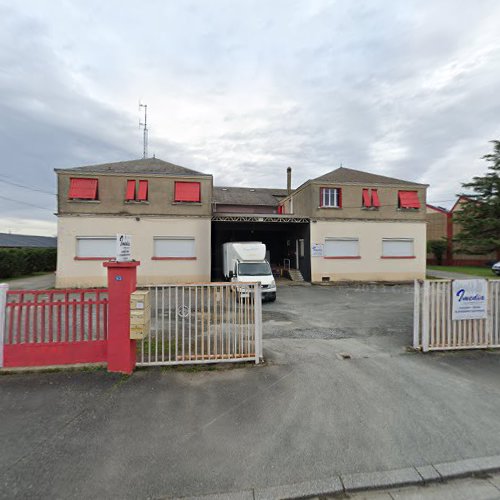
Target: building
(345, 225)
(8, 240)
(442, 225)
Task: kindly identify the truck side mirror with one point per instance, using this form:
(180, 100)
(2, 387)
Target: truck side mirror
(231, 274)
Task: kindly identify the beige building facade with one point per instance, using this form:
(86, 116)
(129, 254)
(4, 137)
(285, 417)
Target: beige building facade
(346, 225)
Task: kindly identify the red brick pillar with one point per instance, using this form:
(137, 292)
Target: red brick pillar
(122, 281)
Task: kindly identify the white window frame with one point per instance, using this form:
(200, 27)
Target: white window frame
(398, 254)
(346, 253)
(110, 253)
(182, 254)
(330, 197)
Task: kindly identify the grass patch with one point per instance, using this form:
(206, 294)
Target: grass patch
(472, 270)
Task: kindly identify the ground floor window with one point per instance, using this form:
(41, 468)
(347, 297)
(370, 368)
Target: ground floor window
(95, 247)
(341, 248)
(173, 247)
(393, 248)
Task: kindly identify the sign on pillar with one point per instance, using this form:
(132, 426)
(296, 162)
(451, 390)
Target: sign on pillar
(123, 248)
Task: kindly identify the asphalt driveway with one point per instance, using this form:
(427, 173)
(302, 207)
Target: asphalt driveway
(339, 393)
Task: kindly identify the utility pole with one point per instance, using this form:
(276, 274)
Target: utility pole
(145, 129)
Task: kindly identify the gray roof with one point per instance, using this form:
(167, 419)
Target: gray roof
(343, 174)
(26, 240)
(143, 166)
(248, 196)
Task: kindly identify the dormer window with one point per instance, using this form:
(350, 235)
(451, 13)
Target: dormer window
(82, 189)
(330, 197)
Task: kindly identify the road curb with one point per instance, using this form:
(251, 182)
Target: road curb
(365, 481)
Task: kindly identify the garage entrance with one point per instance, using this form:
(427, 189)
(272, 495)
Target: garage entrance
(287, 240)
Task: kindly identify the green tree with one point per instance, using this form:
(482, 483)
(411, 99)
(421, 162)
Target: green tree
(480, 215)
(438, 249)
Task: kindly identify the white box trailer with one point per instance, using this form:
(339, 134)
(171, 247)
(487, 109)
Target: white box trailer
(246, 262)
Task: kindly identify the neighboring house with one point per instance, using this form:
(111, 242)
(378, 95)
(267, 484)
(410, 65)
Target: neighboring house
(8, 240)
(366, 226)
(441, 224)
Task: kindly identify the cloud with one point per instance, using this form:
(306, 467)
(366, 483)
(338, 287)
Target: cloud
(244, 89)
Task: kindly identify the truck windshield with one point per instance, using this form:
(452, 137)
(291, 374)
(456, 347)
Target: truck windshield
(254, 269)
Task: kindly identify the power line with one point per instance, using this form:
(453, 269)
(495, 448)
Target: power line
(30, 188)
(25, 203)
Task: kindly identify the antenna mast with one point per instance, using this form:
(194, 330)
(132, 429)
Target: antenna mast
(145, 129)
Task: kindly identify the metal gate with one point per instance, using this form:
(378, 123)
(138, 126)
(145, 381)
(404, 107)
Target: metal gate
(434, 329)
(203, 323)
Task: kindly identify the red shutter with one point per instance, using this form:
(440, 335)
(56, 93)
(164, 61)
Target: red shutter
(339, 197)
(83, 189)
(408, 199)
(375, 200)
(187, 191)
(367, 202)
(143, 191)
(130, 195)
(280, 209)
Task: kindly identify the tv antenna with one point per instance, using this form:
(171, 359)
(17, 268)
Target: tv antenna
(145, 129)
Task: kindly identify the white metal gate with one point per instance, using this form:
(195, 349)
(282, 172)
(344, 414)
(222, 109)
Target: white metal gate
(203, 323)
(434, 329)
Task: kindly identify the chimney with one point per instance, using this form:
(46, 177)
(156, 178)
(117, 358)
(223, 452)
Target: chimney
(289, 180)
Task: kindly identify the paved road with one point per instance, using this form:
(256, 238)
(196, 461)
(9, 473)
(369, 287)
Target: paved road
(40, 282)
(339, 394)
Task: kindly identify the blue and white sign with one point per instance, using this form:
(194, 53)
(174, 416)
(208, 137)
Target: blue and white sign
(469, 299)
(123, 248)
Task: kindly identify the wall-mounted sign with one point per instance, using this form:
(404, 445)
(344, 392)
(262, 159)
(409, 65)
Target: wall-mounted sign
(317, 250)
(123, 248)
(469, 299)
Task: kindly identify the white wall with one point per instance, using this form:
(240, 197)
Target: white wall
(87, 273)
(370, 266)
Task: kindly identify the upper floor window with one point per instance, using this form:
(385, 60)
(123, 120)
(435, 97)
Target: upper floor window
(330, 197)
(82, 189)
(136, 192)
(408, 199)
(370, 198)
(187, 192)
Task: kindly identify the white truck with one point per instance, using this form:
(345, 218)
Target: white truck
(246, 262)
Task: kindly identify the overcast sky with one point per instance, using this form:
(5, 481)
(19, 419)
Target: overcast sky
(243, 89)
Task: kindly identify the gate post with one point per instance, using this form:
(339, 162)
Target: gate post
(4, 288)
(122, 281)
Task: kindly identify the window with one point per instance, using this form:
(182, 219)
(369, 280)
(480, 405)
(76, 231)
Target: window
(397, 248)
(187, 192)
(408, 199)
(370, 198)
(82, 189)
(330, 197)
(341, 248)
(133, 194)
(95, 247)
(174, 248)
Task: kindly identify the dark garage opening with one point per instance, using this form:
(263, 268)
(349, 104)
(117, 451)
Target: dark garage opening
(283, 240)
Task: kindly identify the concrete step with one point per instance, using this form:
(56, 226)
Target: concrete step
(295, 275)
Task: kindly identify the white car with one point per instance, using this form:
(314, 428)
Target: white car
(496, 268)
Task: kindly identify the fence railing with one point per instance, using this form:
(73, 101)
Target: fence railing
(203, 323)
(49, 327)
(434, 328)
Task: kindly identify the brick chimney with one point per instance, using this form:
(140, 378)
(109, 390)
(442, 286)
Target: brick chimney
(289, 180)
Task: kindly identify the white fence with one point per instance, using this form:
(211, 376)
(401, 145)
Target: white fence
(434, 329)
(203, 323)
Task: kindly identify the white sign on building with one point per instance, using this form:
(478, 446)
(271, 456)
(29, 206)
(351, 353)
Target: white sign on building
(469, 299)
(123, 248)
(317, 250)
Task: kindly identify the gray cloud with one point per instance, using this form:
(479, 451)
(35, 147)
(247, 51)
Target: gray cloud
(244, 89)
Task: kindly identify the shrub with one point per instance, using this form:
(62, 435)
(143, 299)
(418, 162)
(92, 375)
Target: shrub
(22, 261)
